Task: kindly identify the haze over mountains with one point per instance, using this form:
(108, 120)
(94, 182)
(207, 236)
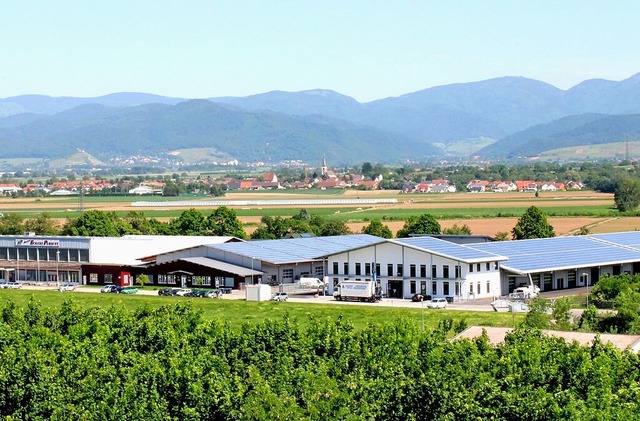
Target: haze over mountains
(524, 116)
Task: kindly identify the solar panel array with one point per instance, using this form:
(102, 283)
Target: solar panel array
(451, 250)
(298, 249)
(547, 254)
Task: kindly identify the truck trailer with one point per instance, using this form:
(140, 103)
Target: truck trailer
(357, 291)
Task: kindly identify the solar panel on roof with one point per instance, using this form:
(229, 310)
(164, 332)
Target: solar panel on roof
(298, 249)
(445, 248)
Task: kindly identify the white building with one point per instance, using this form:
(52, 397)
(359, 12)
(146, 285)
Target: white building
(420, 265)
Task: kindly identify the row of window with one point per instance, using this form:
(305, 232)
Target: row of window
(44, 254)
(415, 271)
(474, 288)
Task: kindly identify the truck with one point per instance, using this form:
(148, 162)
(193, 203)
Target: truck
(357, 291)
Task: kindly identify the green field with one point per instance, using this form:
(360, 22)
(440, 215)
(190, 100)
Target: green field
(238, 312)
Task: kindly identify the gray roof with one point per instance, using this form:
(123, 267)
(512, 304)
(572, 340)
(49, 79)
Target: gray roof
(223, 266)
(462, 253)
(559, 253)
(291, 250)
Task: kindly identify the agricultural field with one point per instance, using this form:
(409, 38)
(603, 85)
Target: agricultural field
(484, 213)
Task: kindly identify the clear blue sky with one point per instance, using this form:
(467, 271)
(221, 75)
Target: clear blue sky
(367, 49)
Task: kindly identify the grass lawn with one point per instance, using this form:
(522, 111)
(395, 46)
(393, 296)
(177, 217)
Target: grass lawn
(238, 312)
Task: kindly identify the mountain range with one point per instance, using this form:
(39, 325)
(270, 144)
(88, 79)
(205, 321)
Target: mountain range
(525, 117)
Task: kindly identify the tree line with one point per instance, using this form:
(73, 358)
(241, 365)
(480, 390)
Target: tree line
(223, 221)
(74, 363)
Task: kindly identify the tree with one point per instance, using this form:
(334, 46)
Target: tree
(627, 194)
(41, 225)
(423, 224)
(95, 223)
(190, 222)
(533, 224)
(224, 221)
(334, 228)
(501, 236)
(377, 228)
(457, 230)
(11, 224)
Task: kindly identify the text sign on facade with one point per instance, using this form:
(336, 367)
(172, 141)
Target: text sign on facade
(32, 242)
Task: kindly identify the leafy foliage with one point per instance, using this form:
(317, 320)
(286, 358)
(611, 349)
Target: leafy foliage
(377, 228)
(627, 194)
(533, 224)
(422, 224)
(168, 364)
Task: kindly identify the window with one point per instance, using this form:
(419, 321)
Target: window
(478, 267)
(445, 288)
(318, 271)
(367, 268)
(84, 255)
(445, 271)
(206, 280)
(378, 269)
(358, 269)
(471, 268)
(335, 267)
(108, 278)
(389, 269)
(457, 284)
(412, 287)
(434, 271)
(434, 288)
(399, 269)
(488, 266)
(495, 265)
(423, 271)
(478, 289)
(287, 273)
(470, 287)
(93, 278)
(345, 267)
(458, 271)
(412, 271)
(488, 287)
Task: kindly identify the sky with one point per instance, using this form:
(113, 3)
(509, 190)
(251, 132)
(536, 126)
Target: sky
(366, 49)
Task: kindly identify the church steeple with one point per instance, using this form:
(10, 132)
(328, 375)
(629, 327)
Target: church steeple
(323, 170)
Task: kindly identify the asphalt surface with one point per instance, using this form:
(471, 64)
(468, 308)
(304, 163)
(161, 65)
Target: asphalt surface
(311, 298)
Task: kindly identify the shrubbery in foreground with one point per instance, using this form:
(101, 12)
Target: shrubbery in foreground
(169, 364)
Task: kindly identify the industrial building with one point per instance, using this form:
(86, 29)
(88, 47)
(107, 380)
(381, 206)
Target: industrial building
(402, 267)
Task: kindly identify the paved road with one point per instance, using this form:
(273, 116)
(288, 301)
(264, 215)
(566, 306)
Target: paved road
(470, 305)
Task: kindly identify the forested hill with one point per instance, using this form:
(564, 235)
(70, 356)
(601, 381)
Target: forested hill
(586, 129)
(315, 122)
(155, 128)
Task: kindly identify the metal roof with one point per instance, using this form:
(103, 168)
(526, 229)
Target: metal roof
(291, 250)
(223, 266)
(462, 253)
(559, 253)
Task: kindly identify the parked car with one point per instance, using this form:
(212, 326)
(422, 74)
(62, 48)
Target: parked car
(417, 298)
(280, 296)
(183, 292)
(215, 293)
(167, 291)
(108, 288)
(10, 285)
(67, 287)
(128, 290)
(197, 293)
(437, 303)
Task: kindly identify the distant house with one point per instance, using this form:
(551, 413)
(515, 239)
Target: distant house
(552, 187)
(477, 186)
(8, 189)
(270, 177)
(574, 185)
(527, 186)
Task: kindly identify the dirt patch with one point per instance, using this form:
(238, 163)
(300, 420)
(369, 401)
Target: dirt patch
(491, 226)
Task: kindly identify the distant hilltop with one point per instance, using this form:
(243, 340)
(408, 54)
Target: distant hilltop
(498, 118)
